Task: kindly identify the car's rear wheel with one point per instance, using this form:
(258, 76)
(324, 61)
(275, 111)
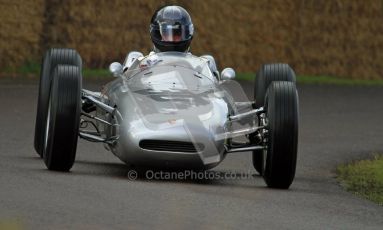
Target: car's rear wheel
(63, 118)
(52, 58)
(282, 139)
(265, 76)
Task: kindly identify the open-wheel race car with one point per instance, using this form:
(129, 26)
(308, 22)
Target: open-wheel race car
(169, 110)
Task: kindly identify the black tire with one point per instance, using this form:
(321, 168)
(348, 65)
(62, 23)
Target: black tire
(265, 75)
(52, 58)
(64, 117)
(282, 111)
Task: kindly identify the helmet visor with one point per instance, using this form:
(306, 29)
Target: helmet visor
(172, 33)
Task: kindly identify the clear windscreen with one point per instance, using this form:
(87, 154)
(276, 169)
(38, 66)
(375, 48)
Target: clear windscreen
(170, 71)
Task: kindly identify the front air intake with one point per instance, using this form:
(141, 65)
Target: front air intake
(171, 146)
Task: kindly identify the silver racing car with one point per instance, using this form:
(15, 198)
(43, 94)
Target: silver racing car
(169, 110)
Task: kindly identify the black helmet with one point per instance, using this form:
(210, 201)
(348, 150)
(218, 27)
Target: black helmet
(171, 29)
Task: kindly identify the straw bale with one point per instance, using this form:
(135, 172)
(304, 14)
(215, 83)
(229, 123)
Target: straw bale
(341, 38)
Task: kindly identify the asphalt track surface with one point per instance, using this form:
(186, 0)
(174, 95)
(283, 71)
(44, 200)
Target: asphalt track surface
(337, 124)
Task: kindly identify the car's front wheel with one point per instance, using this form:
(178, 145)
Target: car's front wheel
(63, 118)
(282, 110)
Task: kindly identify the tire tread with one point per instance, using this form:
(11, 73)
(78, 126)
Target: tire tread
(51, 59)
(283, 129)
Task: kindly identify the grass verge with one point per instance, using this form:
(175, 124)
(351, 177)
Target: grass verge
(321, 80)
(32, 69)
(364, 178)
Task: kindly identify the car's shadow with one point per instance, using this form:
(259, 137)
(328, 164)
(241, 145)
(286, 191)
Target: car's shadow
(164, 175)
(116, 170)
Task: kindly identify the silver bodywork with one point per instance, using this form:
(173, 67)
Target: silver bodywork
(171, 110)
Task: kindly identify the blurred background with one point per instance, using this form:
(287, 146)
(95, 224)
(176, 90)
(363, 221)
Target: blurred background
(341, 38)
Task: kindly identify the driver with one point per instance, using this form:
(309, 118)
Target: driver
(171, 29)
